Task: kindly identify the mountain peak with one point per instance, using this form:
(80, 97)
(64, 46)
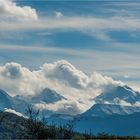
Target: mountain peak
(118, 94)
(47, 96)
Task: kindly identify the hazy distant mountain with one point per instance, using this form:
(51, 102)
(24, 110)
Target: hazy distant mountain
(113, 124)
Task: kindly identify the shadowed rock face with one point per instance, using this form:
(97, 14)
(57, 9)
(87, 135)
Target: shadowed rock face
(5, 100)
(12, 126)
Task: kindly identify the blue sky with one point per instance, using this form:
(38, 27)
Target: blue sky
(102, 36)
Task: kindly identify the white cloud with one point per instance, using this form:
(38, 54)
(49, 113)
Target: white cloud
(62, 107)
(98, 60)
(12, 71)
(65, 72)
(10, 10)
(60, 73)
(61, 76)
(15, 79)
(93, 26)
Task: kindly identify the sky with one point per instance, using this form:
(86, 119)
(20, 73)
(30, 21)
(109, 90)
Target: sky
(101, 36)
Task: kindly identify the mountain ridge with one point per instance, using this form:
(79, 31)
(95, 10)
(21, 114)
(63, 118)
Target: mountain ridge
(105, 110)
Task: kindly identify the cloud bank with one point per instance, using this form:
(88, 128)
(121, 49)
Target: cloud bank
(57, 73)
(76, 86)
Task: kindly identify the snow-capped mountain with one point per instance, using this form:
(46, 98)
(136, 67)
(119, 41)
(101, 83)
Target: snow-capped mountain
(47, 96)
(115, 105)
(114, 112)
(122, 95)
(118, 100)
(102, 110)
(21, 103)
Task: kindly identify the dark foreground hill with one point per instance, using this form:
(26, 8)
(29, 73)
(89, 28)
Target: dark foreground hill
(12, 126)
(17, 127)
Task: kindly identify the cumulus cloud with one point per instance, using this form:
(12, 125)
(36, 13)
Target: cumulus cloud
(17, 79)
(99, 81)
(10, 10)
(65, 72)
(76, 86)
(11, 70)
(60, 73)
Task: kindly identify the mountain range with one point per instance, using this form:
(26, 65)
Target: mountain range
(114, 111)
(63, 93)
